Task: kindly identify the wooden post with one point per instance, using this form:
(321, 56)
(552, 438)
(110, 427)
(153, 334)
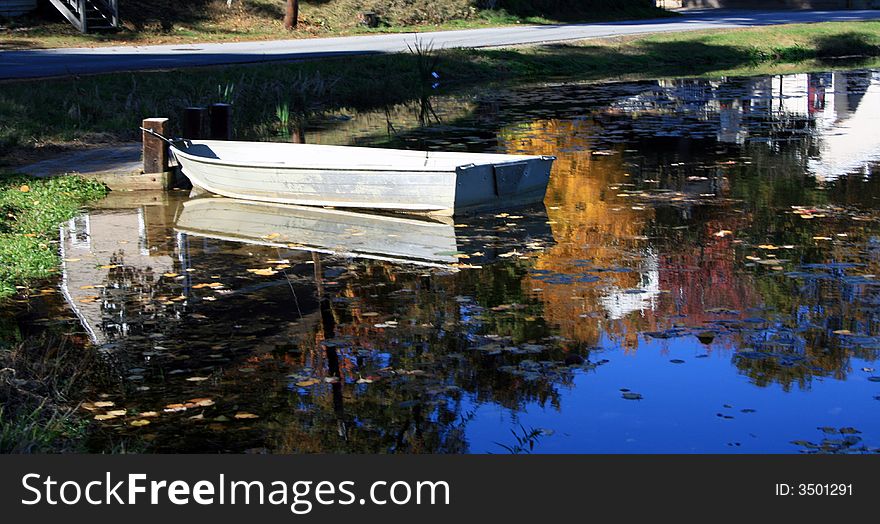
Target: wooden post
(155, 149)
(221, 121)
(193, 122)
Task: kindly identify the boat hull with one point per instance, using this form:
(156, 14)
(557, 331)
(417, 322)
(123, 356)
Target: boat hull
(348, 177)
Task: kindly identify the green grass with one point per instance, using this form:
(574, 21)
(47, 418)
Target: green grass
(39, 430)
(30, 213)
(172, 21)
(111, 106)
(42, 379)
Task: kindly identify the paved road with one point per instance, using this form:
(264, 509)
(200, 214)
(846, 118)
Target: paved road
(56, 62)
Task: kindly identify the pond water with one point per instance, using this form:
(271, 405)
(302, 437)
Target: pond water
(703, 276)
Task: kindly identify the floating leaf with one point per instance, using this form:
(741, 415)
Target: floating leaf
(263, 272)
(243, 415)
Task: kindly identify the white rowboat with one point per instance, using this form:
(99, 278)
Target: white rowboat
(438, 183)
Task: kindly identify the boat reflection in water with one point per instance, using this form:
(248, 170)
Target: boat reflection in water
(127, 264)
(376, 236)
(408, 239)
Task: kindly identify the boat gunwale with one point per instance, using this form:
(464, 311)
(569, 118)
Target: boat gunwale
(290, 167)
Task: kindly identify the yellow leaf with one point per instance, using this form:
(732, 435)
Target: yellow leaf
(104, 417)
(117, 412)
(150, 414)
(24, 189)
(104, 404)
(242, 415)
(212, 285)
(262, 272)
(308, 382)
(140, 422)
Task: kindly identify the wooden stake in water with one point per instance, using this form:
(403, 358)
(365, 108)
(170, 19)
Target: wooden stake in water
(221, 121)
(155, 149)
(193, 122)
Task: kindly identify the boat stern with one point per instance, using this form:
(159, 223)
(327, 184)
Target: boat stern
(487, 187)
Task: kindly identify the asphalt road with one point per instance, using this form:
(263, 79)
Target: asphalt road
(39, 63)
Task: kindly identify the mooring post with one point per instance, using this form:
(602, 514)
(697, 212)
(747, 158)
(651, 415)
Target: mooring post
(193, 122)
(221, 121)
(155, 149)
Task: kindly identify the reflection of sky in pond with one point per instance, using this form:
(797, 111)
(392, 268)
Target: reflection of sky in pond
(700, 278)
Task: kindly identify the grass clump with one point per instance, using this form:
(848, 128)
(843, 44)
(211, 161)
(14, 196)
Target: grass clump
(38, 380)
(30, 212)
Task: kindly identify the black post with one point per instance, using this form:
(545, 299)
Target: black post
(221, 121)
(193, 122)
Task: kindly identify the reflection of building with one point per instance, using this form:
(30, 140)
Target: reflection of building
(850, 139)
(95, 248)
(835, 115)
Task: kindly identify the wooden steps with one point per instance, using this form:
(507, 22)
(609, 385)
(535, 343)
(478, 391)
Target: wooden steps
(90, 15)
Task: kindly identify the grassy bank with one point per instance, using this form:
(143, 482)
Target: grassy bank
(270, 96)
(30, 213)
(171, 21)
(40, 381)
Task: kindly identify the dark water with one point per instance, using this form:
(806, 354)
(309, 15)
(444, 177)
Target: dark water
(701, 278)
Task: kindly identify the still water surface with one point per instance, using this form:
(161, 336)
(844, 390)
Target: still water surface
(703, 276)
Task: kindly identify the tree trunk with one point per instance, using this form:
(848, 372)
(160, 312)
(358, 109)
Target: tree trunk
(291, 15)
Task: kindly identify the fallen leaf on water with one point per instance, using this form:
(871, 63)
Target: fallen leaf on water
(117, 412)
(139, 423)
(197, 379)
(262, 272)
(308, 382)
(150, 414)
(104, 404)
(242, 415)
(212, 285)
(105, 417)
